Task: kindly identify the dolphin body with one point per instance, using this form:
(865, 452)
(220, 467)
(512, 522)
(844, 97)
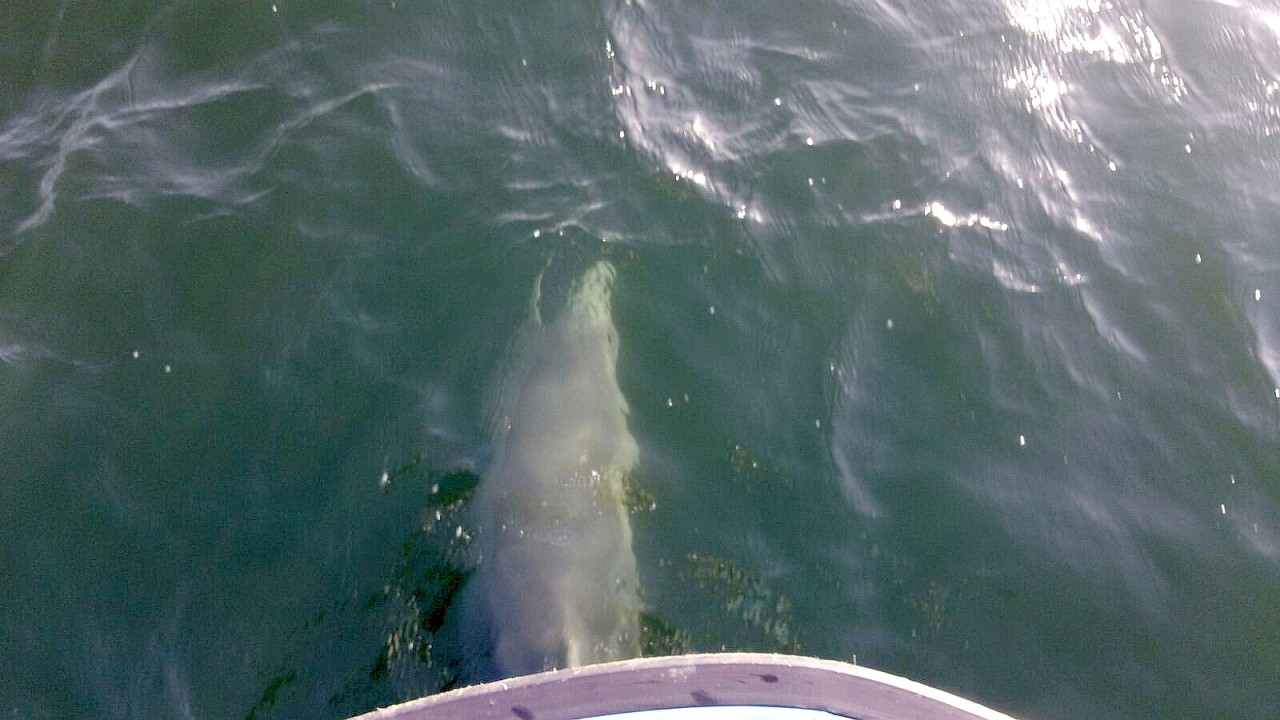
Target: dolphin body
(556, 576)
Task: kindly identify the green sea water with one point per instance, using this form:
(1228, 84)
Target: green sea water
(949, 333)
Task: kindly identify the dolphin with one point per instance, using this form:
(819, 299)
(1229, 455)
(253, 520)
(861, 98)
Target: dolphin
(556, 577)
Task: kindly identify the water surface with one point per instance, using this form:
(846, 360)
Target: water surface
(949, 333)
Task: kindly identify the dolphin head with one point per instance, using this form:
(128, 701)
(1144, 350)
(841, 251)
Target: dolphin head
(589, 308)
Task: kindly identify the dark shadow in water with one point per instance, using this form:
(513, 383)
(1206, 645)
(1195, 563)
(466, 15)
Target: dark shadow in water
(395, 635)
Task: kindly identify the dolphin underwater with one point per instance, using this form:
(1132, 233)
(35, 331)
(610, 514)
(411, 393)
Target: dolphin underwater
(555, 578)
